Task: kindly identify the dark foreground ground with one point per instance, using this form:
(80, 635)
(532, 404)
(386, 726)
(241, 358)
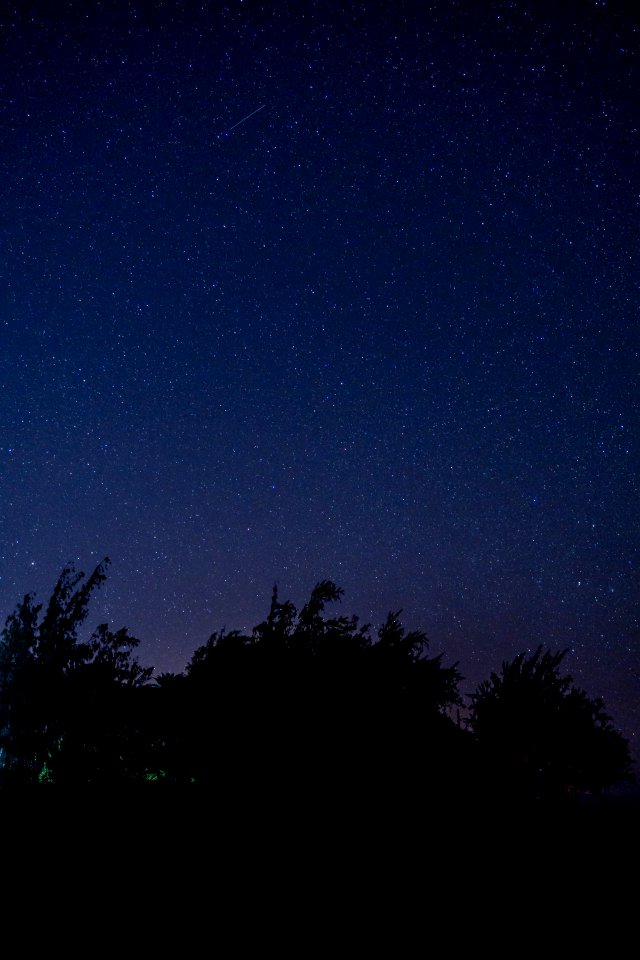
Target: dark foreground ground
(139, 818)
(261, 869)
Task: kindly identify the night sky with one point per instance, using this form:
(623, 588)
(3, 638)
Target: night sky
(295, 291)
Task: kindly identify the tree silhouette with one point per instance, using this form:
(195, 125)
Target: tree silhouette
(540, 737)
(316, 699)
(308, 704)
(61, 698)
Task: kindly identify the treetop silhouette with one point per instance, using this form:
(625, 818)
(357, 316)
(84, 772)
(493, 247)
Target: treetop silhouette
(306, 698)
(50, 678)
(542, 737)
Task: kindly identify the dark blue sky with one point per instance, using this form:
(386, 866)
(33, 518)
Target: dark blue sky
(383, 331)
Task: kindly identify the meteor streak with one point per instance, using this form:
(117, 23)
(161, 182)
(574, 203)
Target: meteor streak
(246, 118)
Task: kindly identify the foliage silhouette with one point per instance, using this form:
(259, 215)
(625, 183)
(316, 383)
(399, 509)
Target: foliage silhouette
(314, 701)
(62, 699)
(308, 705)
(541, 738)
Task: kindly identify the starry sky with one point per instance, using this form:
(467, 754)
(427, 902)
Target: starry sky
(295, 291)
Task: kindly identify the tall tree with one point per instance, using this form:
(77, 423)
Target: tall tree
(55, 687)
